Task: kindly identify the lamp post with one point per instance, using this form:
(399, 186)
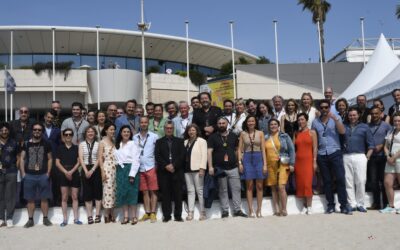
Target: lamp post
(233, 62)
(142, 26)
(98, 66)
(276, 54)
(362, 38)
(187, 61)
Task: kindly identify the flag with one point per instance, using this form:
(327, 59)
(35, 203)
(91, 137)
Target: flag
(9, 83)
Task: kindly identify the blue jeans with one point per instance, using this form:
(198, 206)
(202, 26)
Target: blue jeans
(328, 165)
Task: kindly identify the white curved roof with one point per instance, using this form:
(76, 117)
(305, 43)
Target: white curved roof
(114, 42)
(381, 63)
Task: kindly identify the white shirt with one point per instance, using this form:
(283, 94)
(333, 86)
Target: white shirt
(128, 153)
(237, 124)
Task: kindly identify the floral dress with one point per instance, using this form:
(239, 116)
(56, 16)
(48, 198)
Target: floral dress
(109, 186)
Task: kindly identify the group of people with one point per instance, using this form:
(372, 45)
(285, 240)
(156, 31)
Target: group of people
(200, 149)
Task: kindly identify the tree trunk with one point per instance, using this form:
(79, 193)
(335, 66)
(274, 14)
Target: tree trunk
(321, 27)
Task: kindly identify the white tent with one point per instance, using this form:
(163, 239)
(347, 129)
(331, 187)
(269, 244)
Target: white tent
(385, 87)
(381, 63)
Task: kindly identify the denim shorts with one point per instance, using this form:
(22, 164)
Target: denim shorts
(36, 187)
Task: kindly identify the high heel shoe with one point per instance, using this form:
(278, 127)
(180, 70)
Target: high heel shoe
(251, 214)
(258, 214)
(125, 221)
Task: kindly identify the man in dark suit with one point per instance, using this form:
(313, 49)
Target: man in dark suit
(170, 153)
(20, 129)
(52, 135)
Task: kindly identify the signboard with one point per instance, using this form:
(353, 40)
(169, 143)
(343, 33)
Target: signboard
(220, 90)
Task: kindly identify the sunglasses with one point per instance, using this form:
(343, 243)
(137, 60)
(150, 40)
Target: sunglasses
(23, 111)
(69, 134)
(324, 107)
(37, 129)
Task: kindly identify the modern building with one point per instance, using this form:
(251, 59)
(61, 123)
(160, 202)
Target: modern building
(23, 47)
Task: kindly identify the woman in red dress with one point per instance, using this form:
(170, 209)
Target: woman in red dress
(306, 161)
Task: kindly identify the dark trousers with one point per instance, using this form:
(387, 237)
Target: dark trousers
(8, 188)
(55, 185)
(171, 189)
(328, 165)
(376, 173)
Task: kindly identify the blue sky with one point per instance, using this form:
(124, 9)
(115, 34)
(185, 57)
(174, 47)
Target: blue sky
(209, 21)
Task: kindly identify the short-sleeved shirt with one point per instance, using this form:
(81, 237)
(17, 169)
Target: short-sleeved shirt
(68, 156)
(146, 145)
(8, 155)
(379, 132)
(216, 142)
(78, 128)
(36, 157)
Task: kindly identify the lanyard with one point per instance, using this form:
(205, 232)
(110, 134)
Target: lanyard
(36, 150)
(169, 141)
(90, 151)
(252, 141)
(142, 145)
(376, 130)
(132, 125)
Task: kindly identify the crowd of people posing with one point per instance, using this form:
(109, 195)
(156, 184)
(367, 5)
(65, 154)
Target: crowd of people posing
(107, 158)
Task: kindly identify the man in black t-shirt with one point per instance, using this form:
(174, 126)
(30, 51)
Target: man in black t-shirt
(222, 159)
(206, 116)
(36, 163)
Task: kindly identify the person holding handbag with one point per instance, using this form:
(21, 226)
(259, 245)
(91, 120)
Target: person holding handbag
(280, 161)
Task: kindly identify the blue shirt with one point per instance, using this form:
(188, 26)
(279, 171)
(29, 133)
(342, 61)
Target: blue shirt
(379, 132)
(358, 139)
(8, 155)
(133, 122)
(328, 136)
(181, 124)
(146, 145)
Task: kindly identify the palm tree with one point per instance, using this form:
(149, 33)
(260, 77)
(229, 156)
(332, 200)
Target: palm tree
(398, 11)
(319, 9)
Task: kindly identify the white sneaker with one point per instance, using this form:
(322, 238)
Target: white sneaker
(398, 211)
(2, 223)
(309, 211)
(10, 223)
(304, 211)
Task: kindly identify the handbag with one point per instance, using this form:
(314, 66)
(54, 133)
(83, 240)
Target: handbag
(283, 158)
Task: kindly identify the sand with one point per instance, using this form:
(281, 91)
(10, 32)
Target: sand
(336, 231)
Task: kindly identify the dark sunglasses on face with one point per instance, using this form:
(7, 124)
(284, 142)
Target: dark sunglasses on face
(68, 134)
(23, 111)
(37, 129)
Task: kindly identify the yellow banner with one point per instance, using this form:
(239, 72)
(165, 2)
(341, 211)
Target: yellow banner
(220, 90)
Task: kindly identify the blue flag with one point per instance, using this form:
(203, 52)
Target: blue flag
(9, 82)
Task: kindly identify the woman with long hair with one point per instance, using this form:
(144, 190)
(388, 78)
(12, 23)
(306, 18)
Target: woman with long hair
(289, 119)
(236, 124)
(306, 106)
(195, 167)
(252, 162)
(108, 171)
(264, 114)
(127, 155)
(101, 118)
(280, 161)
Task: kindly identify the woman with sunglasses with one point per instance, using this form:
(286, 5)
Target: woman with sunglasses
(67, 162)
(91, 177)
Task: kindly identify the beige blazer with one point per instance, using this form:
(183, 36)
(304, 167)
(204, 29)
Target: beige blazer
(198, 159)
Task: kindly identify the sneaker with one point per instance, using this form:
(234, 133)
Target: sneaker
(153, 217)
(347, 210)
(10, 223)
(225, 214)
(29, 224)
(145, 217)
(240, 214)
(166, 219)
(388, 210)
(78, 222)
(47, 222)
(309, 211)
(304, 211)
(398, 211)
(2, 223)
(361, 209)
(63, 224)
(330, 210)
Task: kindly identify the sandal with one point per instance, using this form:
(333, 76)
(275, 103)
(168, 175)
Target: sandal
(258, 214)
(134, 221)
(90, 220)
(63, 224)
(125, 221)
(284, 213)
(98, 219)
(189, 217)
(106, 219)
(277, 214)
(202, 216)
(112, 218)
(251, 215)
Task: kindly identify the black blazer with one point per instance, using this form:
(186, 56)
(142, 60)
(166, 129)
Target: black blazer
(161, 153)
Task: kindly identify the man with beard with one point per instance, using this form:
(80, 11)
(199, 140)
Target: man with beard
(58, 119)
(362, 108)
(377, 162)
(330, 158)
(9, 152)
(76, 123)
(206, 117)
(396, 106)
(195, 103)
(20, 130)
(251, 106)
(228, 112)
(149, 110)
(358, 140)
(221, 156)
(36, 163)
(129, 118)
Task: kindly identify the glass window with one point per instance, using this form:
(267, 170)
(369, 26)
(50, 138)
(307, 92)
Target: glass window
(42, 58)
(73, 58)
(89, 60)
(134, 64)
(115, 62)
(150, 63)
(174, 66)
(206, 71)
(21, 61)
(3, 61)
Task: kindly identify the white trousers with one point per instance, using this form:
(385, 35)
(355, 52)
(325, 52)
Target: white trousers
(355, 166)
(194, 184)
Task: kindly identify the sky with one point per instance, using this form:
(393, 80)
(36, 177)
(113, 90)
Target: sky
(209, 21)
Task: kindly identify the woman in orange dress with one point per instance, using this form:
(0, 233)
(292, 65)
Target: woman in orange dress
(306, 161)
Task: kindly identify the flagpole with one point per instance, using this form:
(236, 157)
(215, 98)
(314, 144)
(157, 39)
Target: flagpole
(276, 55)
(98, 67)
(5, 94)
(54, 63)
(362, 37)
(233, 62)
(11, 68)
(320, 58)
(187, 61)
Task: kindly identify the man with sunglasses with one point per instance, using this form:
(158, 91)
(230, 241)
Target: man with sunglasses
(330, 158)
(35, 167)
(21, 128)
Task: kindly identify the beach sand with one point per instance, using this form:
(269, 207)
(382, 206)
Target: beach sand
(336, 231)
